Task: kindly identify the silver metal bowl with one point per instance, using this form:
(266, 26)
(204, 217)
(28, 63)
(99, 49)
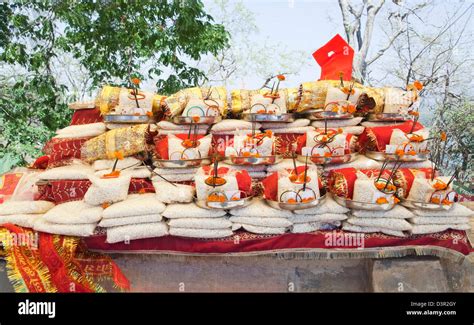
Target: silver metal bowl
(425, 205)
(378, 155)
(320, 160)
(296, 206)
(224, 205)
(253, 161)
(281, 118)
(182, 163)
(351, 204)
(388, 117)
(128, 119)
(193, 120)
(319, 114)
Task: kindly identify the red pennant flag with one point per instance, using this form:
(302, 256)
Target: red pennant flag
(334, 57)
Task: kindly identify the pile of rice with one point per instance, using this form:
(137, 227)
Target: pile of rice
(75, 218)
(23, 213)
(392, 222)
(327, 215)
(260, 218)
(139, 216)
(426, 221)
(190, 220)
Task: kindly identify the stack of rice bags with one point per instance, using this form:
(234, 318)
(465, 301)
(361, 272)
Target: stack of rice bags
(392, 222)
(138, 216)
(23, 213)
(190, 220)
(426, 221)
(327, 215)
(260, 218)
(74, 218)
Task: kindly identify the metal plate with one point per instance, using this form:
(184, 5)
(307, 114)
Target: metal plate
(281, 118)
(351, 204)
(224, 205)
(318, 114)
(253, 161)
(296, 206)
(329, 160)
(182, 163)
(377, 155)
(425, 205)
(194, 119)
(388, 117)
(129, 119)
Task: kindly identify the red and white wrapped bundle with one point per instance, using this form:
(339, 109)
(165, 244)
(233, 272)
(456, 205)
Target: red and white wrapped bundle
(230, 185)
(182, 146)
(288, 185)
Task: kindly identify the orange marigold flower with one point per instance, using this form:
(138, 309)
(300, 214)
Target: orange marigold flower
(351, 108)
(400, 152)
(308, 199)
(396, 200)
(149, 114)
(446, 202)
(347, 90)
(327, 154)
(414, 113)
(418, 85)
(268, 133)
(381, 200)
(281, 77)
(412, 153)
(114, 174)
(416, 138)
(105, 205)
(340, 130)
(440, 185)
(118, 155)
(135, 81)
(443, 136)
(142, 191)
(434, 200)
(292, 201)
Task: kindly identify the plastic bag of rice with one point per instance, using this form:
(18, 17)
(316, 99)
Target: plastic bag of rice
(135, 205)
(107, 190)
(74, 212)
(138, 231)
(200, 223)
(200, 233)
(122, 221)
(81, 230)
(173, 193)
(25, 207)
(190, 210)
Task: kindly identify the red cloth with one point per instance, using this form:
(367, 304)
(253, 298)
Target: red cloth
(244, 242)
(270, 184)
(334, 57)
(379, 136)
(70, 190)
(86, 116)
(221, 141)
(62, 151)
(284, 143)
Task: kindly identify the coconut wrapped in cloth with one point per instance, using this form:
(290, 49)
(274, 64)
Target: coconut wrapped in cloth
(365, 185)
(289, 185)
(129, 141)
(258, 144)
(222, 184)
(326, 143)
(119, 100)
(182, 146)
(259, 101)
(197, 101)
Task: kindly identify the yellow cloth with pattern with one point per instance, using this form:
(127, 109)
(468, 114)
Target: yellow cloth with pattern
(242, 98)
(129, 141)
(313, 94)
(176, 103)
(109, 99)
